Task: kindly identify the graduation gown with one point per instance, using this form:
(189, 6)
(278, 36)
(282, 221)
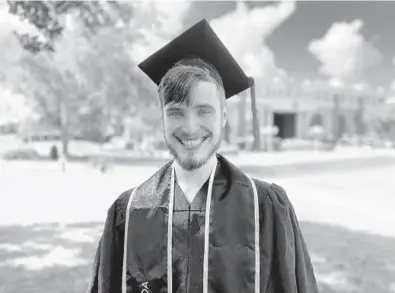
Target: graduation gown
(285, 264)
(188, 235)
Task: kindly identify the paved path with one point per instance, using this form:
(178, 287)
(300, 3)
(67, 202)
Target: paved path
(359, 198)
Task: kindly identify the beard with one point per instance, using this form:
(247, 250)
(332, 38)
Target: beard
(189, 161)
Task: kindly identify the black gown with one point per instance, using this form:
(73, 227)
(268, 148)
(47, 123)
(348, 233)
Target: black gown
(188, 235)
(285, 264)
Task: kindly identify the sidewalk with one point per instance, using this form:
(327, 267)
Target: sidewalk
(42, 193)
(272, 159)
(254, 160)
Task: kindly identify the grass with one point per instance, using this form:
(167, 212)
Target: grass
(344, 261)
(351, 261)
(50, 278)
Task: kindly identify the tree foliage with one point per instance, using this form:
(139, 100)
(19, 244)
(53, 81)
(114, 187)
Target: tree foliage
(83, 61)
(381, 121)
(46, 17)
(91, 71)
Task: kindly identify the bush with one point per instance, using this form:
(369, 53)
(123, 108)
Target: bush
(22, 154)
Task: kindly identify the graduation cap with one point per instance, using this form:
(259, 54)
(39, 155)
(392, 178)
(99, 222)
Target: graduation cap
(199, 41)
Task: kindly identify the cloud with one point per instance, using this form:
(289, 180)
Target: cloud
(157, 23)
(244, 32)
(344, 52)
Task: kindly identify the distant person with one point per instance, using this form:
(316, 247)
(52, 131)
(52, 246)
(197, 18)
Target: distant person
(54, 154)
(200, 224)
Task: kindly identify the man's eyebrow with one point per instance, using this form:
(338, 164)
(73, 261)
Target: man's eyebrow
(204, 106)
(199, 106)
(173, 108)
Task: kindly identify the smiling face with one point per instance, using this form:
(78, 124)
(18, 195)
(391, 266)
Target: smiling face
(193, 131)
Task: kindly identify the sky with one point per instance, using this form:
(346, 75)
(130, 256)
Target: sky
(350, 41)
(344, 42)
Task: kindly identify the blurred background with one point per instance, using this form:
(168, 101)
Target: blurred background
(79, 124)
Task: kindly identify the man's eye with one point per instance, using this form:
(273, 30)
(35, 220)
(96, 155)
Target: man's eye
(175, 114)
(204, 112)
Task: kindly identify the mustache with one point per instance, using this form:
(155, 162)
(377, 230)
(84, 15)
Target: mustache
(191, 135)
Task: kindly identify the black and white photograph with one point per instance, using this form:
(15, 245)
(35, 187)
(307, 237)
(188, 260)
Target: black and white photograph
(174, 146)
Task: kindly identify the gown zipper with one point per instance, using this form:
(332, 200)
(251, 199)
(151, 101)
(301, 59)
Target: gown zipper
(189, 239)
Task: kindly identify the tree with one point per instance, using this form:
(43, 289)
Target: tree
(381, 120)
(242, 120)
(46, 15)
(359, 120)
(52, 92)
(53, 72)
(336, 120)
(255, 121)
(83, 64)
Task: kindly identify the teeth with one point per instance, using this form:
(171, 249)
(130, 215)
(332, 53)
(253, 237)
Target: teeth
(192, 142)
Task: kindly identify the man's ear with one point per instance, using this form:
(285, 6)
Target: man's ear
(224, 115)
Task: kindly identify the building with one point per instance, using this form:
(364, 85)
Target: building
(293, 108)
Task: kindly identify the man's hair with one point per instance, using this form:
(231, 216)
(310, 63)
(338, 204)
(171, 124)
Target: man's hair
(176, 84)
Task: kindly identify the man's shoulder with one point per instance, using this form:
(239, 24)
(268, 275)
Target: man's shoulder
(123, 199)
(272, 193)
(265, 187)
(238, 176)
(118, 209)
(119, 206)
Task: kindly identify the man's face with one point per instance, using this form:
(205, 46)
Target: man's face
(193, 134)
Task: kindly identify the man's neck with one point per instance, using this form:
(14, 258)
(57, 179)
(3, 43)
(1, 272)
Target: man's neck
(197, 176)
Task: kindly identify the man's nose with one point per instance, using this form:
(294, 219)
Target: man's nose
(190, 124)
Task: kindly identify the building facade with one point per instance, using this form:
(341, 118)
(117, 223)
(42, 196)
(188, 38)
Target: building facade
(294, 109)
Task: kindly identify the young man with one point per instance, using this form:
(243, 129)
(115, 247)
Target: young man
(200, 224)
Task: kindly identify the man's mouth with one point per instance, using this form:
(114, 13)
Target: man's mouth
(192, 143)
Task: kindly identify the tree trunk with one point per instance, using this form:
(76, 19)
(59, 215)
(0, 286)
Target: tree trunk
(360, 121)
(255, 120)
(336, 119)
(64, 129)
(242, 124)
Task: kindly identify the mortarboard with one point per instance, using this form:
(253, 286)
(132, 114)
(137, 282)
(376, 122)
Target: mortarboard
(198, 41)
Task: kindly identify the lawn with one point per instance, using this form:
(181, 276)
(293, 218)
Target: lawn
(347, 261)
(57, 258)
